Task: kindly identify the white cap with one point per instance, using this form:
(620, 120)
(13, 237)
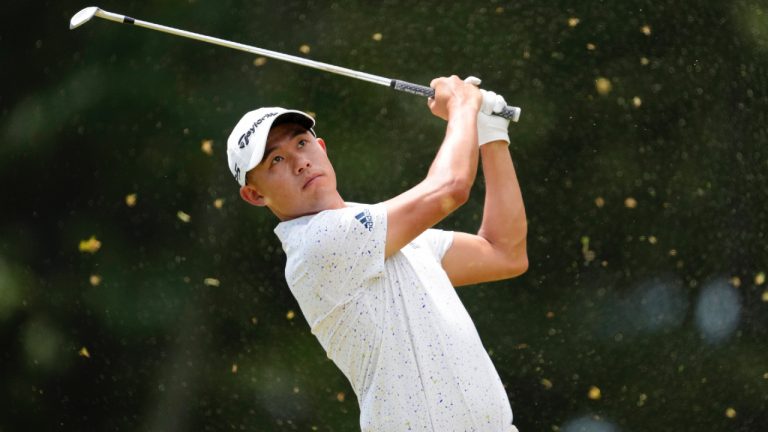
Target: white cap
(246, 143)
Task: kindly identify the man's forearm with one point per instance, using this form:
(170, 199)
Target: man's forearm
(504, 224)
(458, 155)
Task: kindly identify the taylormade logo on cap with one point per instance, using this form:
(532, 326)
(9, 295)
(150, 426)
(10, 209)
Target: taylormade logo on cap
(246, 143)
(243, 141)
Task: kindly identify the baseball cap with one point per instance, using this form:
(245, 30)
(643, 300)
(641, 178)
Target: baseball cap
(246, 143)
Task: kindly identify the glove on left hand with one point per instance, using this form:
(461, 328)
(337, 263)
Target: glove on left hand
(490, 127)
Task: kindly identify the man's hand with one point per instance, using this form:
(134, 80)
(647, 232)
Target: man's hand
(490, 128)
(453, 95)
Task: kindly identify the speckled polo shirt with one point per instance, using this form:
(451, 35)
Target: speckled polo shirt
(396, 327)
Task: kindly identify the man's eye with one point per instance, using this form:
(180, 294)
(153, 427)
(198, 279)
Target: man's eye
(302, 143)
(276, 159)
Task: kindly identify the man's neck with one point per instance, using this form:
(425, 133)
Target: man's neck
(332, 203)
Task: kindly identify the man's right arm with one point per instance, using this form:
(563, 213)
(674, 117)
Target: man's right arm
(452, 172)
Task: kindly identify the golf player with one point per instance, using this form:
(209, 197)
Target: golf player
(376, 281)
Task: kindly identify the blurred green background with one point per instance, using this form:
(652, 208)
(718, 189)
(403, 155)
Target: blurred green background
(641, 151)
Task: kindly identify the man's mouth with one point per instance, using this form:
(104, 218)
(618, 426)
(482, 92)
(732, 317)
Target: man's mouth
(310, 180)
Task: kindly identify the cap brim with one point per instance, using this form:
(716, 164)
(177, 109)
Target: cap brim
(297, 117)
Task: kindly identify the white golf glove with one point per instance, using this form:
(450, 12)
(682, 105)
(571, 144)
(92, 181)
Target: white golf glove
(490, 127)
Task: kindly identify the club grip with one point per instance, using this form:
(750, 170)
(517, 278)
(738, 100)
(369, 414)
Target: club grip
(509, 112)
(416, 89)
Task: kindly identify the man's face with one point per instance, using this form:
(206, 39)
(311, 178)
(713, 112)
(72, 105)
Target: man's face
(295, 177)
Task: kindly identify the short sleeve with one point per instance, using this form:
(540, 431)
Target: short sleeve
(332, 256)
(438, 241)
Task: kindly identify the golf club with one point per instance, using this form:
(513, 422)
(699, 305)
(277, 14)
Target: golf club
(80, 18)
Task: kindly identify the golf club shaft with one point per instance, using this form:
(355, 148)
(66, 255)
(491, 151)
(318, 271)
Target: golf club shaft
(509, 112)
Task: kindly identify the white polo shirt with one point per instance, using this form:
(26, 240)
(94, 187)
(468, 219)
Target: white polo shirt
(396, 327)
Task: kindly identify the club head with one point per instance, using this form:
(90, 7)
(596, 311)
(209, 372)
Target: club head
(82, 17)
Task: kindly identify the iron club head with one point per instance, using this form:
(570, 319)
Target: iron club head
(82, 17)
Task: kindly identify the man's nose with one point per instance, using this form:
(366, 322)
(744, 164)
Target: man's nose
(302, 164)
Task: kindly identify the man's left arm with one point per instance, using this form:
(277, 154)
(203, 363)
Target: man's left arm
(498, 250)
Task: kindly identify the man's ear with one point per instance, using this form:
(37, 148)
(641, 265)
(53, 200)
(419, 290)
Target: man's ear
(322, 144)
(250, 195)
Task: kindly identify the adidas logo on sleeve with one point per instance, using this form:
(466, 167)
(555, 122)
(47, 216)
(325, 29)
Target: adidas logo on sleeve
(365, 218)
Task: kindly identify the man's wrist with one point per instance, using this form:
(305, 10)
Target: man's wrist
(462, 111)
(464, 105)
(496, 144)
